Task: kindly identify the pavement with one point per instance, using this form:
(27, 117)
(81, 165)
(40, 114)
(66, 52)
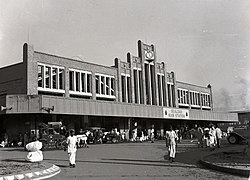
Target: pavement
(241, 169)
(48, 170)
(41, 170)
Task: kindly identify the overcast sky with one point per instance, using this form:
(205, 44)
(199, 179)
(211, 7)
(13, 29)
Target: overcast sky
(202, 41)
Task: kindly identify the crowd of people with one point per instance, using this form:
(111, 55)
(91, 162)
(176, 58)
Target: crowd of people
(209, 137)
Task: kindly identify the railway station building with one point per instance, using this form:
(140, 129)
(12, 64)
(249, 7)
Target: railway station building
(138, 91)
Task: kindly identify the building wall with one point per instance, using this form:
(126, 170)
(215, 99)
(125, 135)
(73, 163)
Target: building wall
(151, 85)
(12, 80)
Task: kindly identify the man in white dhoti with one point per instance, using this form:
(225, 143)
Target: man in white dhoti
(172, 137)
(72, 142)
(35, 154)
(212, 138)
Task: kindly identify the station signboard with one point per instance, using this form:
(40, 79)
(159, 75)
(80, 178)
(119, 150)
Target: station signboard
(171, 113)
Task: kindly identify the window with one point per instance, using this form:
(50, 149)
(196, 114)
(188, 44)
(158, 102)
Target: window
(54, 78)
(183, 97)
(77, 82)
(123, 88)
(71, 80)
(50, 78)
(128, 89)
(105, 86)
(126, 96)
(47, 77)
(205, 99)
(80, 82)
(40, 76)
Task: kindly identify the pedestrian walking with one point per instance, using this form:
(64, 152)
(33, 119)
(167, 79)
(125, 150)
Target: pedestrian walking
(212, 138)
(218, 136)
(172, 137)
(152, 134)
(72, 143)
(200, 137)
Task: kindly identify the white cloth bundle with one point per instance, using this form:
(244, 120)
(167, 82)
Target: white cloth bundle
(35, 154)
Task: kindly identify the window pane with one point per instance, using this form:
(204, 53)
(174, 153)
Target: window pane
(97, 84)
(123, 89)
(107, 86)
(128, 89)
(71, 80)
(112, 86)
(89, 80)
(40, 76)
(47, 77)
(102, 84)
(77, 81)
(61, 79)
(54, 78)
(136, 86)
(83, 82)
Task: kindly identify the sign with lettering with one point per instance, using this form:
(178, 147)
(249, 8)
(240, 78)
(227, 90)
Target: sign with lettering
(170, 113)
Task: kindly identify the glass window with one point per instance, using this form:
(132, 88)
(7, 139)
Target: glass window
(50, 78)
(77, 82)
(47, 77)
(40, 76)
(97, 84)
(102, 85)
(128, 89)
(89, 80)
(54, 78)
(112, 86)
(61, 78)
(123, 89)
(71, 80)
(83, 82)
(108, 85)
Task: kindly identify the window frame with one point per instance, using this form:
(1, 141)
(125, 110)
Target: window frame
(80, 91)
(43, 76)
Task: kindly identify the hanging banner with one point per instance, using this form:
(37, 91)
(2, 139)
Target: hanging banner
(170, 113)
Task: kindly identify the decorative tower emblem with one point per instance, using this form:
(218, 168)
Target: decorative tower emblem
(149, 54)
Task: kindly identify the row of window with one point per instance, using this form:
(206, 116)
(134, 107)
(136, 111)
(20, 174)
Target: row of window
(52, 79)
(196, 99)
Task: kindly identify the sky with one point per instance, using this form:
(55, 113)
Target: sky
(202, 41)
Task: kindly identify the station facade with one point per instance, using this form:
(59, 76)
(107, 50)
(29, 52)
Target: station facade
(136, 92)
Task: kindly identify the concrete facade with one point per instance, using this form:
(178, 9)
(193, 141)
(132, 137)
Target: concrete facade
(139, 89)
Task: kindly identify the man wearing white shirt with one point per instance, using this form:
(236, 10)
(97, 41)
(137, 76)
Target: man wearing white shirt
(172, 143)
(71, 142)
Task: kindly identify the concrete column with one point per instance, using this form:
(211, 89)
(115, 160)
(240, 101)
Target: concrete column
(119, 80)
(30, 70)
(132, 84)
(140, 52)
(149, 84)
(155, 95)
(200, 101)
(166, 84)
(93, 87)
(189, 99)
(175, 90)
(211, 97)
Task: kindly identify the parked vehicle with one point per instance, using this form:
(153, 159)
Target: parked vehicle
(111, 137)
(52, 135)
(238, 134)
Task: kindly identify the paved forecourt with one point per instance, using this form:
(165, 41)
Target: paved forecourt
(138, 161)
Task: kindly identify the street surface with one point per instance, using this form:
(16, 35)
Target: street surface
(134, 161)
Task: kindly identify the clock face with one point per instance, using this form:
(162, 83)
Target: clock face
(149, 54)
